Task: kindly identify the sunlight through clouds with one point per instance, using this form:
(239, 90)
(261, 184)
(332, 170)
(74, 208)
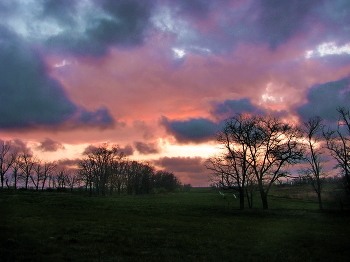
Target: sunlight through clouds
(179, 53)
(328, 48)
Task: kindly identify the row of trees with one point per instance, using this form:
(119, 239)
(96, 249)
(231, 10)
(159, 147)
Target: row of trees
(104, 170)
(107, 170)
(256, 151)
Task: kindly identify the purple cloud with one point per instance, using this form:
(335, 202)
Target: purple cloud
(195, 130)
(146, 148)
(324, 99)
(49, 145)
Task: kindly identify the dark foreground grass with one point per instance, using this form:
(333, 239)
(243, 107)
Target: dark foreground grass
(196, 226)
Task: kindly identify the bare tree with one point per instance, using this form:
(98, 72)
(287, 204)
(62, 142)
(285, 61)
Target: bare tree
(61, 179)
(7, 158)
(338, 143)
(26, 164)
(37, 175)
(99, 165)
(231, 169)
(262, 145)
(313, 156)
(15, 173)
(73, 179)
(47, 170)
(273, 145)
(86, 174)
(119, 174)
(42, 171)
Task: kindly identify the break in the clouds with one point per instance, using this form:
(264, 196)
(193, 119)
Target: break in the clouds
(49, 145)
(324, 99)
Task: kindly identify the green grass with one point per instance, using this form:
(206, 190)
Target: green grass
(195, 226)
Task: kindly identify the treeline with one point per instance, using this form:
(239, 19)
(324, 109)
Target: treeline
(257, 152)
(105, 170)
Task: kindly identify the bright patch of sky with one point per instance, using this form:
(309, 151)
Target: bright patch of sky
(64, 62)
(179, 53)
(268, 96)
(165, 20)
(29, 22)
(202, 150)
(329, 48)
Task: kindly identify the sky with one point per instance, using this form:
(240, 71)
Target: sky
(158, 77)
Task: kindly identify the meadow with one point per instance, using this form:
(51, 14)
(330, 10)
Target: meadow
(195, 226)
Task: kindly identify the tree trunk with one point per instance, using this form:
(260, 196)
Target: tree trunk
(264, 199)
(319, 200)
(241, 198)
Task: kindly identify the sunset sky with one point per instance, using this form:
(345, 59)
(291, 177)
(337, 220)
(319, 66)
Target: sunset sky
(158, 77)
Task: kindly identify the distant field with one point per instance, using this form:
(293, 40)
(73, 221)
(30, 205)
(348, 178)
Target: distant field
(195, 226)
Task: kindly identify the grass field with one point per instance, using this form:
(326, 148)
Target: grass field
(195, 226)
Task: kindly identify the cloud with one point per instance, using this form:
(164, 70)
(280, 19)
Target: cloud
(182, 164)
(17, 146)
(200, 130)
(146, 148)
(128, 150)
(324, 99)
(92, 27)
(193, 130)
(101, 118)
(231, 107)
(49, 145)
(89, 149)
(187, 169)
(281, 20)
(143, 127)
(21, 147)
(68, 163)
(30, 97)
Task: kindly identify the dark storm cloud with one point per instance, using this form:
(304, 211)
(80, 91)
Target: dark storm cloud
(231, 107)
(193, 130)
(61, 10)
(146, 148)
(270, 22)
(200, 129)
(182, 164)
(101, 117)
(29, 97)
(122, 23)
(280, 20)
(49, 145)
(324, 99)
(196, 8)
(335, 16)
